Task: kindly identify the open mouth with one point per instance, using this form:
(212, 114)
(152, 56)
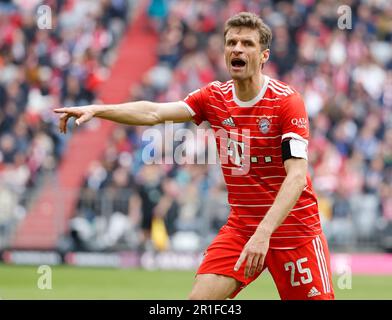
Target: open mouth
(238, 63)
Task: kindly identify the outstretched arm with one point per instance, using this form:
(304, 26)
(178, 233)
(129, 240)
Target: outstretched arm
(256, 248)
(132, 113)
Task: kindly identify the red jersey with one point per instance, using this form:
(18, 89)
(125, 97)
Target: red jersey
(249, 136)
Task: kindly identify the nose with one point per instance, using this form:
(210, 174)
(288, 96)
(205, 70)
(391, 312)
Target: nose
(238, 47)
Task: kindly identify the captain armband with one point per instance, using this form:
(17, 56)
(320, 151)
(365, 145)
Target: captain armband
(294, 148)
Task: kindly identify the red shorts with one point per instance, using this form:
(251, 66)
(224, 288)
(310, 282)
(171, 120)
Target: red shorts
(302, 273)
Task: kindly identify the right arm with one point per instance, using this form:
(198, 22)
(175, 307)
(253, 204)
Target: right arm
(132, 113)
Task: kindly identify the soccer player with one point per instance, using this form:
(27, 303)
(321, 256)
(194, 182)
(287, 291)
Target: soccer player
(274, 221)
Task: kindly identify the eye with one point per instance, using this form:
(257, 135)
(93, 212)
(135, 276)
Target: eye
(230, 43)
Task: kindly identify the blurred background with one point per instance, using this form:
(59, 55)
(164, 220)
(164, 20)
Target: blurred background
(87, 198)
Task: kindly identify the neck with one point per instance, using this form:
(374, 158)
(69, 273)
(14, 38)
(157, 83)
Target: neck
(249, 88)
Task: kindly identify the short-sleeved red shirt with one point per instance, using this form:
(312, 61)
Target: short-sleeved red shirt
(249, 136)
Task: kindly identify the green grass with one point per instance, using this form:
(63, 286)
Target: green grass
(20, 282)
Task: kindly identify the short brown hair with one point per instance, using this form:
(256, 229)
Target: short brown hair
(252, 21)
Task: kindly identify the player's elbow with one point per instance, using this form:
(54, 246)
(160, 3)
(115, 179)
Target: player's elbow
(154, 118)
(299, 180)
(151, 115)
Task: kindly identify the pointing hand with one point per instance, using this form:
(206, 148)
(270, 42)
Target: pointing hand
(82, 114)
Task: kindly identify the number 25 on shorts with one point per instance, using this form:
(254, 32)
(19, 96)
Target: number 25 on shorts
(306, 275)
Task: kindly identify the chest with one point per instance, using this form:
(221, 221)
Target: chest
(256, 126)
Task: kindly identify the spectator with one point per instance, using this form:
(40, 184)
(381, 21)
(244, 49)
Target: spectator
(42, 69)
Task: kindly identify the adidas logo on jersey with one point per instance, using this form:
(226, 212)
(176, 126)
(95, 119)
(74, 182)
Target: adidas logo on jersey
(228, 122)
(313, 292)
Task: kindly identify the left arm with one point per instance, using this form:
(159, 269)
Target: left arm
(289, 192)
(256, 248)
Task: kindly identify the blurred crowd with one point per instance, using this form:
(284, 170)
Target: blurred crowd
(343, 71)
(61, 64)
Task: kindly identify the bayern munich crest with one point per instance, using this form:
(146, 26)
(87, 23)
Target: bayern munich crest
(264, 125)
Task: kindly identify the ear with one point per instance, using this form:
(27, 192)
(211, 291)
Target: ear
(265, 56)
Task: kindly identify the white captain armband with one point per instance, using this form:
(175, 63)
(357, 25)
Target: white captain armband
(294, 148)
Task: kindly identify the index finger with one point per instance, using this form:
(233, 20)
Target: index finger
(61, 110)
(240, 261)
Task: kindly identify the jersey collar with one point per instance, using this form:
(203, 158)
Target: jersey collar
(251, 103)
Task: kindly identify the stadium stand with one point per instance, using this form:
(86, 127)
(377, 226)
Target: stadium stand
(345, 77)
(43, 68)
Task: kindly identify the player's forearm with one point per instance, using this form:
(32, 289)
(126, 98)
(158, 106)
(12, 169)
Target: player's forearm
(132, 113)
(289, 192)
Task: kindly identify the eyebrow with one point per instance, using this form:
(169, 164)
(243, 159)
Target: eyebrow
(242, 39)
